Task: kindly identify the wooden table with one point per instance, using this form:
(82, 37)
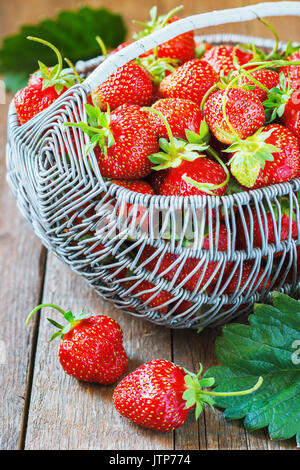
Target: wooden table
(40, 406)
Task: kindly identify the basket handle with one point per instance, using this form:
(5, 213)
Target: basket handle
(213, 18)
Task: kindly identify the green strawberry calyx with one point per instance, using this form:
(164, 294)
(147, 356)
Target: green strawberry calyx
(71, 319)
(250, 156)
(156, 23)
(158, 67)
(277, 98)
(97, 128)
(175, 150)
(55, 76)
(195, 396)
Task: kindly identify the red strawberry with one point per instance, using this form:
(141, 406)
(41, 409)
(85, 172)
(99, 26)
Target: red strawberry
(159, 298)
(190, 81)
(292, 72)
(267, 228)
(181, 47)
(159, 394)
(195, 178)
(44, 87)
(91, 348)
(236, 284)
(268, 157)
(156, 179)
(268, 78)
(137, 186)
(180, 114)
(169, 271)
(244, 112)
(120, 47)
(122, 141)
(130, 84)
(291, 115)
(221, 58)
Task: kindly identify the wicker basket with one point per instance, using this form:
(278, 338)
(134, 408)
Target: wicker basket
(65, 199)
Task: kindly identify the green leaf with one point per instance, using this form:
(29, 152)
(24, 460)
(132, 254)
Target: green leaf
(72, 32)
(268, 348)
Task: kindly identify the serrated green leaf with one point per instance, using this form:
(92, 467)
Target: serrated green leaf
(267, 348)
(72, 32)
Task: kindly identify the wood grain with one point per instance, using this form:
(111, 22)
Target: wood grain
(21, 267)
(41, 407)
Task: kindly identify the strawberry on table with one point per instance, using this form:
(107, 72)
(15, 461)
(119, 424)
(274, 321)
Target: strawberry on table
(181, 115)
(190, 81)
(122, 141)
(181, 48)
(44, 87)
(159, 395)
(91, 348)
(222, 58)
(270, 156)
(244, 113)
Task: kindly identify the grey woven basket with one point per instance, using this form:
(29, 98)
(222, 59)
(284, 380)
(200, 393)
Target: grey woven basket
(66, 200)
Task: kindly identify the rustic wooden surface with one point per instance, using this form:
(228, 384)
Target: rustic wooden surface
(41, 407)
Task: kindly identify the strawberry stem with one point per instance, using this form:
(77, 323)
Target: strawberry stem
(235, 394)
(71, 65)
(170, 14)
(58, 54)
(102, 46)
(39, 307)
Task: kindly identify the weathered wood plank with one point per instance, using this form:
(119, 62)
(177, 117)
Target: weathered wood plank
(21, 267)
(66, 414)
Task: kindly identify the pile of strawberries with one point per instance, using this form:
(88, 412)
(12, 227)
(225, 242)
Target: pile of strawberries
(188, 119)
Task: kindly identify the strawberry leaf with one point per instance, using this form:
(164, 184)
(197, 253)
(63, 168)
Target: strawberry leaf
(268, 348)
(73, 32)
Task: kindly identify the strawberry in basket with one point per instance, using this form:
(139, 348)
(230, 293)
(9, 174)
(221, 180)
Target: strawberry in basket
(181, 48)
(189, 171)
(122, 141)
(223, 58)
(44, 87)
(269, 156)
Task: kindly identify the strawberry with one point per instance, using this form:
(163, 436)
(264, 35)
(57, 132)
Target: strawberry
(122, 141)
(244, 113)
(190, 81)
(243, 278)
(200, 177)
(159, 395)
(120, 47)
(44, 87)
(181, 48)
(291, 114)
(267, 227)
(168, 271)
(222, 58)
(180, 114)
(91, 348)
(148, 294)
(292, 72)
(189, 171)
(268, 157)
(130, 84)
(156, 178)
(268, 79)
